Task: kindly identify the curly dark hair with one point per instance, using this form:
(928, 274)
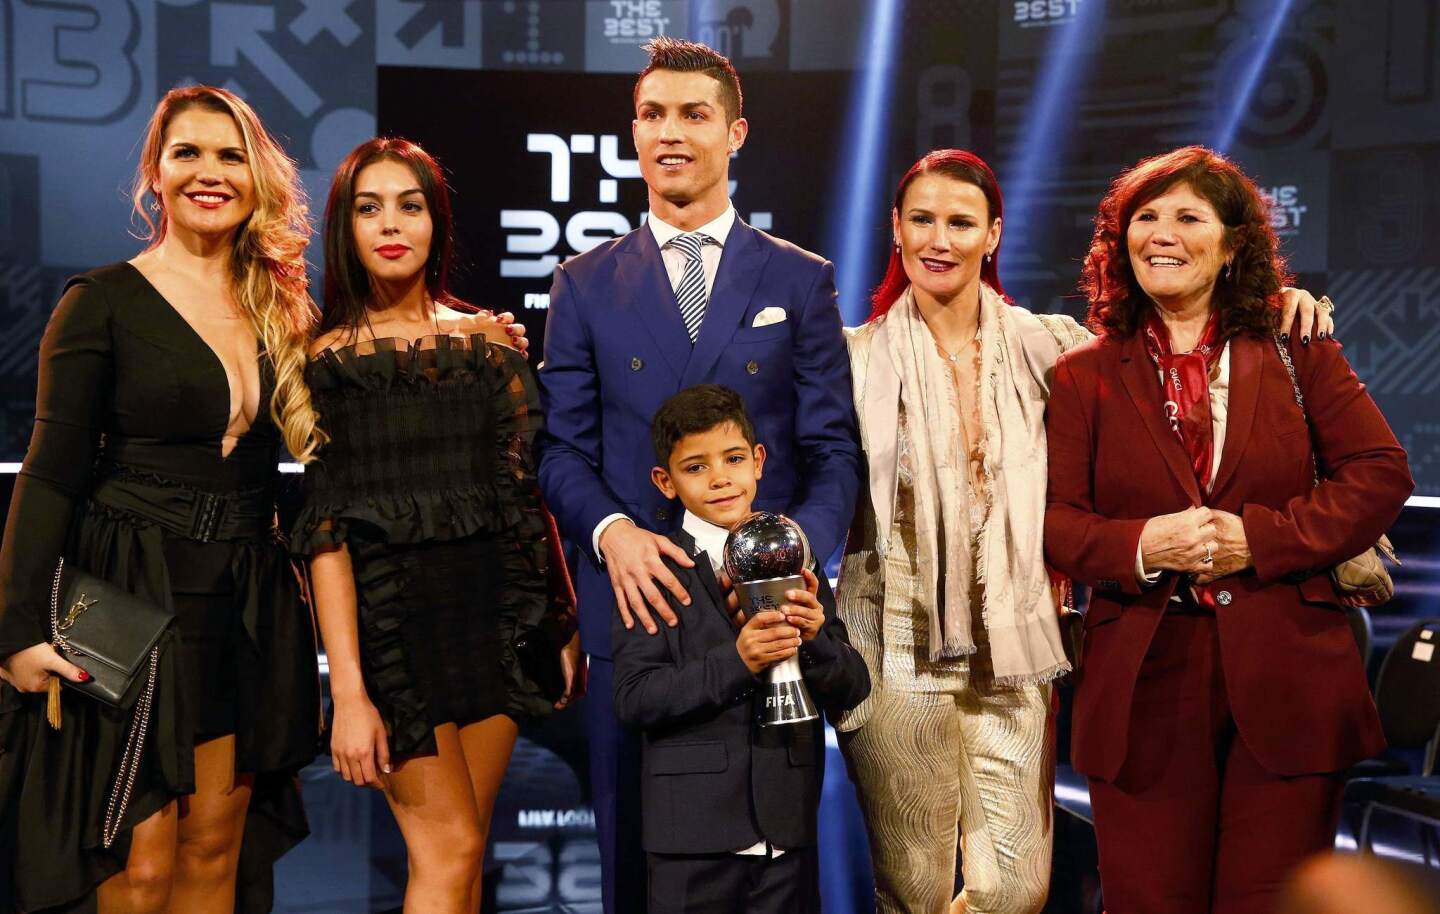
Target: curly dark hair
(1246, 300)
(693, 411)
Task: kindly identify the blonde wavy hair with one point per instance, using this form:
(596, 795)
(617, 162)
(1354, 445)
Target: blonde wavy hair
(267, 257)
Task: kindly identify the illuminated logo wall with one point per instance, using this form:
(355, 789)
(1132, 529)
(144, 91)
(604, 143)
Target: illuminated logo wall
(543, 167)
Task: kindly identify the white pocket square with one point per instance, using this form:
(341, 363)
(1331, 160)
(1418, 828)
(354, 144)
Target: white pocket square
(768, 316)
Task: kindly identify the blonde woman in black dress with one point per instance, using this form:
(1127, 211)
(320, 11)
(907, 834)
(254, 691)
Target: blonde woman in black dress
(423, 524)
(166, 387)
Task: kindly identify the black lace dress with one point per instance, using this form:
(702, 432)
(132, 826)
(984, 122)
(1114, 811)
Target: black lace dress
(125, 477)
(429, 480)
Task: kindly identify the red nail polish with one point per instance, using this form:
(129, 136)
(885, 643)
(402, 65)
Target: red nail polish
(84, 676)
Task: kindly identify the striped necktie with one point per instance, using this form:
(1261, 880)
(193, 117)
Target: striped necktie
(690, 294)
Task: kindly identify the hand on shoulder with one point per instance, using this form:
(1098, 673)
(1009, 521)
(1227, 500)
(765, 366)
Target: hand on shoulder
(458, 323)
(499, 329)
(635, 559)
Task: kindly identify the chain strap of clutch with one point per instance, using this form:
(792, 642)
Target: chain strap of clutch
(124, 785)
(130, 762)
(1299, 401)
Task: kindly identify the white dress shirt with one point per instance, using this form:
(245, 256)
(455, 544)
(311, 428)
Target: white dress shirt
(1219, 405)
(710, 539)
(717, 229)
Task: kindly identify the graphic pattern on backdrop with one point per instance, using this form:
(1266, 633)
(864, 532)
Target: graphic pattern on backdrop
(1341, 127)
(530, 112)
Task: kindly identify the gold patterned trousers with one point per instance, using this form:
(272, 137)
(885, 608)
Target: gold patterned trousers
(972, 762)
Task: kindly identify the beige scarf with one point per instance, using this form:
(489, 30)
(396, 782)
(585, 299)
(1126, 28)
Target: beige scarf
(1006, 559)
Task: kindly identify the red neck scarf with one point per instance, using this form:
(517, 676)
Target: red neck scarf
(1185, 381)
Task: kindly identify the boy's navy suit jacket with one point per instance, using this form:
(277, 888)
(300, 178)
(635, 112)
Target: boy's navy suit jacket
(713, 781)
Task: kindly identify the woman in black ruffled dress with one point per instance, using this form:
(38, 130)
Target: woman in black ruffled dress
(166, 387)
(423, 522)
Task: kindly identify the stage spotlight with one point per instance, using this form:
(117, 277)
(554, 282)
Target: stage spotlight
(1040, 144)
(858, 215)
(1259, 56)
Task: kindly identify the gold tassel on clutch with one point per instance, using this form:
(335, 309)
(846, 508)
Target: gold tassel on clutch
(52, 702)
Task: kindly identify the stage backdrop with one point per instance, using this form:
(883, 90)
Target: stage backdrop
(543, 166)
(1334, 105)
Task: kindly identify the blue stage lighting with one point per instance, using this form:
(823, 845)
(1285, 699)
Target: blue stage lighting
(857, 214)
(1039, 146)
(1258, 56)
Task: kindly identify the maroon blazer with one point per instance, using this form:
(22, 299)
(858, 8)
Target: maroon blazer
(1295, 681)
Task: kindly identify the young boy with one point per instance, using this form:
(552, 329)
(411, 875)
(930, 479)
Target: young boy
(728, 807)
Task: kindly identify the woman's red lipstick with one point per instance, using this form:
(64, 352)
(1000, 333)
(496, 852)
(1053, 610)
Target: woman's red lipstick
(392, 251)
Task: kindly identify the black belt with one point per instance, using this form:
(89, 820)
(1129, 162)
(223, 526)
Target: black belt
(208, 517)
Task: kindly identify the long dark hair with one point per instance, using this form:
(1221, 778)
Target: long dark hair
(347, 284)
(1246, 300)
(962, 166)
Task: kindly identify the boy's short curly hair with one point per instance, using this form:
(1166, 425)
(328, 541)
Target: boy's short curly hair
(694, 410)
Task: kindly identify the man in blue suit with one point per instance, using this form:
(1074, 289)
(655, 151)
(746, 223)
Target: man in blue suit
(693, 296)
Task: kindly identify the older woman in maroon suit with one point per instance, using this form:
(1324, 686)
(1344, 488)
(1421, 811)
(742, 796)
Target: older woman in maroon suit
(1221, 688)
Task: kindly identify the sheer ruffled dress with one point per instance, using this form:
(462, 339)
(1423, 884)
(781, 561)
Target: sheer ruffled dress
(125, 477)
(429, 481)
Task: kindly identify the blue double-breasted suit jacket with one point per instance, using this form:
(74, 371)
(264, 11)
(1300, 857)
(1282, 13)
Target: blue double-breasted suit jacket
(616, 349)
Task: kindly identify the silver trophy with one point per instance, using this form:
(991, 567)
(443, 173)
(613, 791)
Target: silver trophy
(764, 554)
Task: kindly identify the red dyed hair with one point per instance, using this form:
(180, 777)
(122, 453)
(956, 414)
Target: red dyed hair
(962, 166)
(1245, 301)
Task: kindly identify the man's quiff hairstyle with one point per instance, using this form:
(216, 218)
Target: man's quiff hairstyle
(668, 53)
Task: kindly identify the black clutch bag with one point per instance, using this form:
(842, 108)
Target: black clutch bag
(113, 635)
(106, 631)
(538, 651)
